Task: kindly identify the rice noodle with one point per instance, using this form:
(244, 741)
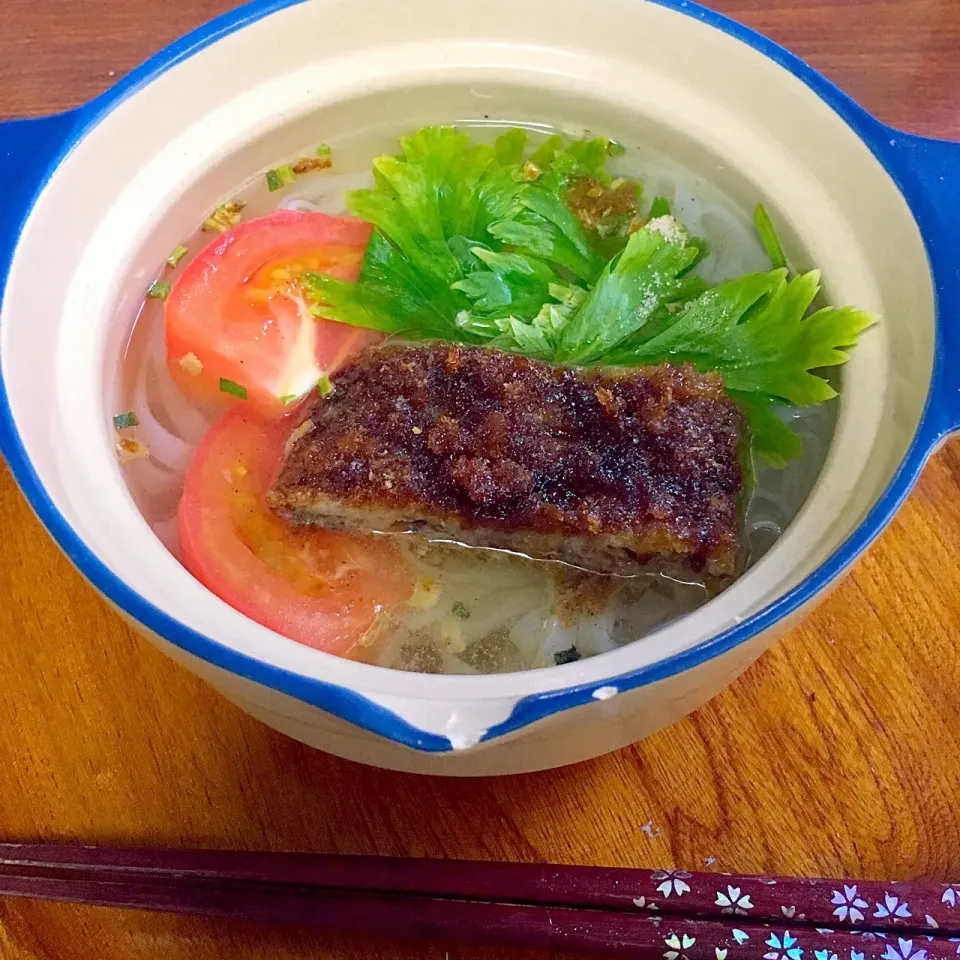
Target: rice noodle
(155, 392)
(298, 203)
(323, 193)
(734, 251)
(491, 611)
(166, 448)
(688, 209)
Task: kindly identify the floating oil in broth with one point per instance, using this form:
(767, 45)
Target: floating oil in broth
(475, 610)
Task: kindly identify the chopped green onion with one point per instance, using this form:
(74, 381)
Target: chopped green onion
(324, 385)
(280, 177)
(178, 254)
(566, 656)
(124, 420)
(227, 215)
(768, 237)
(615, 148)
(234, 389)
(659, 208)
(459, 610)
(158, 290)
(288, 398)
(323, 150)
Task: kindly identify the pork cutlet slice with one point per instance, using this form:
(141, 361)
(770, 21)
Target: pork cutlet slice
(609, 470)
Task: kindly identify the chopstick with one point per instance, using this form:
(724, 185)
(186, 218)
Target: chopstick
(617, 911)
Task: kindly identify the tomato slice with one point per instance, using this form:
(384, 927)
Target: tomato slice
(235, 313)
(320, 588)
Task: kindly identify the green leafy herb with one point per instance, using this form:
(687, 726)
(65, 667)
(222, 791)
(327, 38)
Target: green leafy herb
(771, 440)
(660, 208)
(425, 202)
(279, 177)
(768, 237)
(571, 655)
(289, 398)
(466, 234)
(123, 421)
(159, 290)
(177, 255)
(539, 337)
(633, 288)
(459, 610)
(544, 226)
(539, 253)
(755, 332)
(512, 284)
(615, 149)
(234, 389)
(323, 150)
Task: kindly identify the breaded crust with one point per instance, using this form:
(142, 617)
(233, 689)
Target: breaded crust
(608, 470)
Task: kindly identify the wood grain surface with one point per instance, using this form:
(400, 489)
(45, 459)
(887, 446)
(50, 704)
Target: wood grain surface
(838, 753)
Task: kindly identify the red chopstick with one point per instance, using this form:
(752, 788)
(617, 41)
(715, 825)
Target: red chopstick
(671, 915)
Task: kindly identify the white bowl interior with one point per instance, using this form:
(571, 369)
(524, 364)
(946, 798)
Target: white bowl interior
(153, 167)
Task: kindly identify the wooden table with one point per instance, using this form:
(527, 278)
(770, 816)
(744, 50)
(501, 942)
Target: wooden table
(837, 754)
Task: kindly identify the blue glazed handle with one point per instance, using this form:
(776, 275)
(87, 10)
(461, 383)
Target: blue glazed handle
(29, 149)
(930, 177)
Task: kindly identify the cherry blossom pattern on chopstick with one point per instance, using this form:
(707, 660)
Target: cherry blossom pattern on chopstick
(706, 939)
(915, 908)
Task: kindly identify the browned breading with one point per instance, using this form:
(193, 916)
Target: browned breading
(307, 164)
(608, 209)
(602, 469)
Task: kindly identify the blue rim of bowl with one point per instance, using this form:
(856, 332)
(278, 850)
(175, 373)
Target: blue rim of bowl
(354, 707)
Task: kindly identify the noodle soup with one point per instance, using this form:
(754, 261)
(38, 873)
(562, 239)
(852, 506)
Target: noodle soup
(465, 609)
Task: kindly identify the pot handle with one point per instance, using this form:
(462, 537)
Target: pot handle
(930, 179)
(29, 149)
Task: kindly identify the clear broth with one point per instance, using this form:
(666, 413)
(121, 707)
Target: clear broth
(473, 610)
